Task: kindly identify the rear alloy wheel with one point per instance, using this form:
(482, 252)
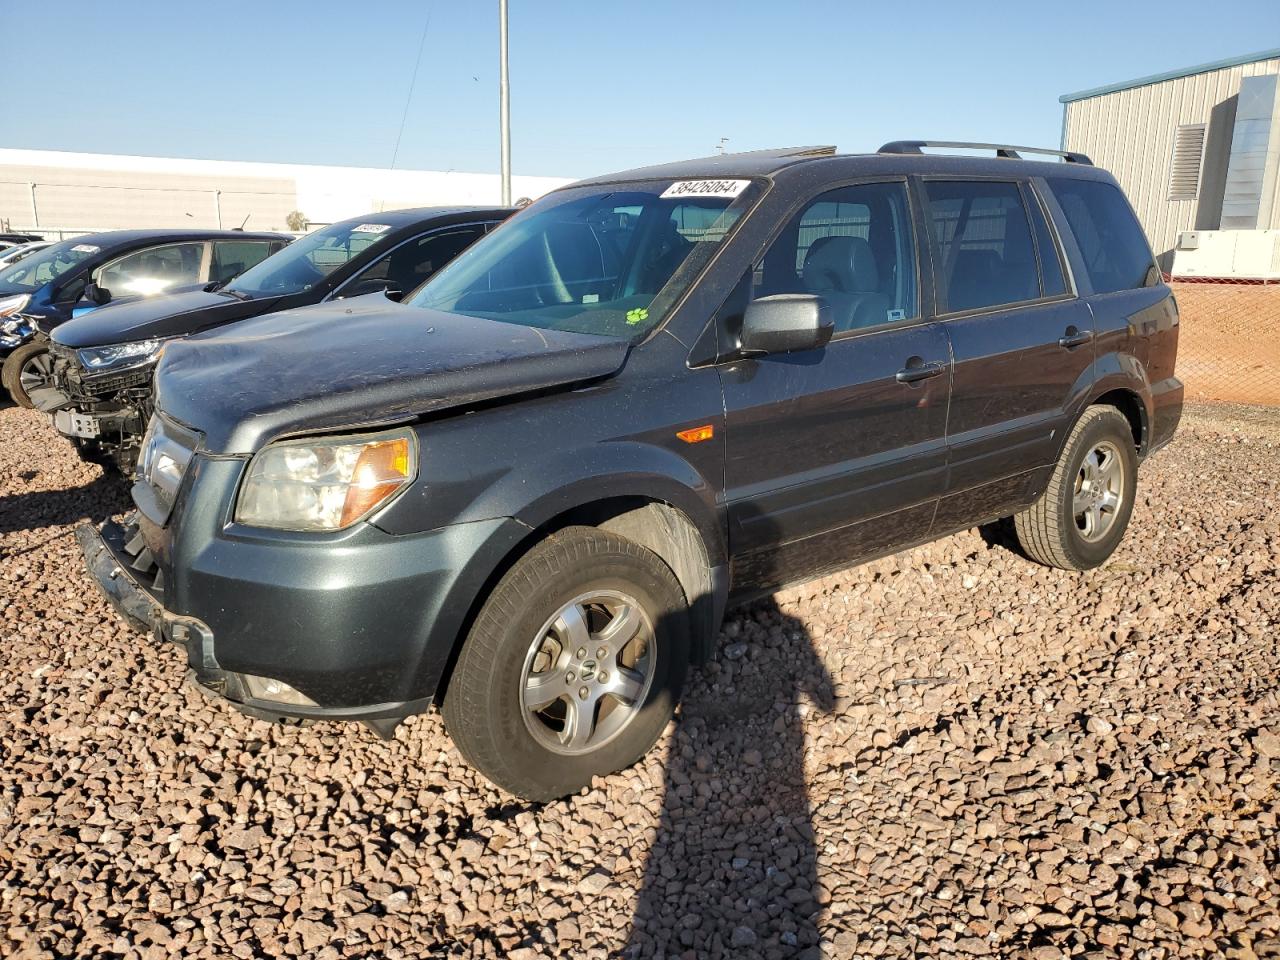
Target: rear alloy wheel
(28, 368)
(573, 667)
(1081, 517)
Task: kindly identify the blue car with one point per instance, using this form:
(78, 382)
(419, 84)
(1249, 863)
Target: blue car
(74, 276)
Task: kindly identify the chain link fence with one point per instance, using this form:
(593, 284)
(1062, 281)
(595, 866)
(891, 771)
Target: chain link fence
(1229, 346)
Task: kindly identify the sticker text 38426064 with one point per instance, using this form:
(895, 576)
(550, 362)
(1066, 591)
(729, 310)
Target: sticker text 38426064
(705, 188)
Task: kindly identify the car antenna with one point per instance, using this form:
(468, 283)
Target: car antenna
(243, 222)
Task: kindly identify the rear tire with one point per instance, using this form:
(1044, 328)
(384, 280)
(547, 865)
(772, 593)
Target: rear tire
(29, 361)
(574, 666)
(1082, 515)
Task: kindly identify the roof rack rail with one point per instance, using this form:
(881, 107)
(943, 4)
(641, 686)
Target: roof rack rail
(1002, 150)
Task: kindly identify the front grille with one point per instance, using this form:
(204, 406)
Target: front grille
(167, 450)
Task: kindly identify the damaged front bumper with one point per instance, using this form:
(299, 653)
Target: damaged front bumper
(121, 565)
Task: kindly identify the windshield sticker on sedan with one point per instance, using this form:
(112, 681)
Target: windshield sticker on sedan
(705, 188)
(639, 315)
(372, 228)
(85, 248)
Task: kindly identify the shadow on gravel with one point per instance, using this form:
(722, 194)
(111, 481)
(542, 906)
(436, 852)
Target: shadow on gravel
(94, 501)
(733, 868)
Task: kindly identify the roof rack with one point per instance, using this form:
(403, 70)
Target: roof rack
(1002, 150)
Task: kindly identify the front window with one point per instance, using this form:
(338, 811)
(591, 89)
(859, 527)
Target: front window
(153, 270)
(306, 262)
(33, 272)
(602, 260)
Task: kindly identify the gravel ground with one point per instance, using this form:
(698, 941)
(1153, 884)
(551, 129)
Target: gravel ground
(947, 752)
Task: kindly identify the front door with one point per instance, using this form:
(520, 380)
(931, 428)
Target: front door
(837, 454)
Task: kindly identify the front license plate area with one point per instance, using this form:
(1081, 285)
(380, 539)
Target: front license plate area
(73, 424)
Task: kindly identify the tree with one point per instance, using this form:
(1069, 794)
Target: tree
(296, 221)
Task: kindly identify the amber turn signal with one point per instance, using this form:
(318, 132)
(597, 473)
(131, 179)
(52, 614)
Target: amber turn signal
(697, 434)
(381, 469)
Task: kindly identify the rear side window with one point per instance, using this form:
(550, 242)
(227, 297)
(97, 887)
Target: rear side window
(1115, 250)
(853, 248)
(985, 256)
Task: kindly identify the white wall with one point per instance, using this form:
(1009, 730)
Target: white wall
(107, 191)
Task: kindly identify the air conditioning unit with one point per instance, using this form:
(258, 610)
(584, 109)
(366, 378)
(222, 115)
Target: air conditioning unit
(1227, 255)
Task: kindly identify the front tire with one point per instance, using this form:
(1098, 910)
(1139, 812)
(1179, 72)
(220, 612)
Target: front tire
(1082, 516)
(573, 667)
(27, 368)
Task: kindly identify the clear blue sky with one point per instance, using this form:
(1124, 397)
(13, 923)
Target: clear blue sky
(597, 85)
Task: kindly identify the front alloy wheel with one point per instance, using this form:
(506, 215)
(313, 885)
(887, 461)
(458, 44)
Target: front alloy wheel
(28, 368)
(573, 667)
(587, 672)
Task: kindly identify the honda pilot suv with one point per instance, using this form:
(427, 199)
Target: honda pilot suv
(529, 492)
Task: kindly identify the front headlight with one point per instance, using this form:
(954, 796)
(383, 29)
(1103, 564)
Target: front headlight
(11, 305)
(120, 356)
(323, 484)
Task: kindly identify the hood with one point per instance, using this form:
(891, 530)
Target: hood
(147, 318)
(353, 363)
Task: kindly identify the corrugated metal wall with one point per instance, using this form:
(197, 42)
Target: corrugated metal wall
(1130, 132)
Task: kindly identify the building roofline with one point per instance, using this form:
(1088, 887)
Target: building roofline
(1171, 75)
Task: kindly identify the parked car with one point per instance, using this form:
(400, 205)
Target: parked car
(100, 392)
(19, 251)
(75, 276)
(528, 492)
(20, 238)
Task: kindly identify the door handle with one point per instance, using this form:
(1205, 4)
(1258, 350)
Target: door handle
(1075, 338)
(912, 373)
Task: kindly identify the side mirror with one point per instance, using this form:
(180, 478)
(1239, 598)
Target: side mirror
(361, 288)
(786, 322)
(96, 294)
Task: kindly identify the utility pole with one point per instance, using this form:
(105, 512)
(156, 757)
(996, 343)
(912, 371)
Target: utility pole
(504, 99)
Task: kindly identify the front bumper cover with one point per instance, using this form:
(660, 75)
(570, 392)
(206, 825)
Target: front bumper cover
(114, 555)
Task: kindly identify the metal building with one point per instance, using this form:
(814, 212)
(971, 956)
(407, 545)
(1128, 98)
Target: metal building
(1195, 149)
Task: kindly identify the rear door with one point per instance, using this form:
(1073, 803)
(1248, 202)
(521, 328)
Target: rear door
(836, 454)
(1021, 342)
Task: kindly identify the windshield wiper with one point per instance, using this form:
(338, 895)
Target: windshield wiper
(238, 294)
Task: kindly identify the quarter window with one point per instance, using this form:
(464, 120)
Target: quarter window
(985, 254)
(1115, 250)
(853, 248)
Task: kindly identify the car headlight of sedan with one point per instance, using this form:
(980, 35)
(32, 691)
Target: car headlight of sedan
(120, 356)
(11, 305)
(325, 484)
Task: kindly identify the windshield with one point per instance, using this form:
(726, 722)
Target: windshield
(33, 272)
(306, 262)
(601, 260)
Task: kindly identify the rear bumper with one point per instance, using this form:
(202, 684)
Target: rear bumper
(1166, 412)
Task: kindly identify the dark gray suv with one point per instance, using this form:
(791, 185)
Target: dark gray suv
(529, 492)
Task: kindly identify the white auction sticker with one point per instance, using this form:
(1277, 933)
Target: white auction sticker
(705, 188)
(371, 228)
(85, 248)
